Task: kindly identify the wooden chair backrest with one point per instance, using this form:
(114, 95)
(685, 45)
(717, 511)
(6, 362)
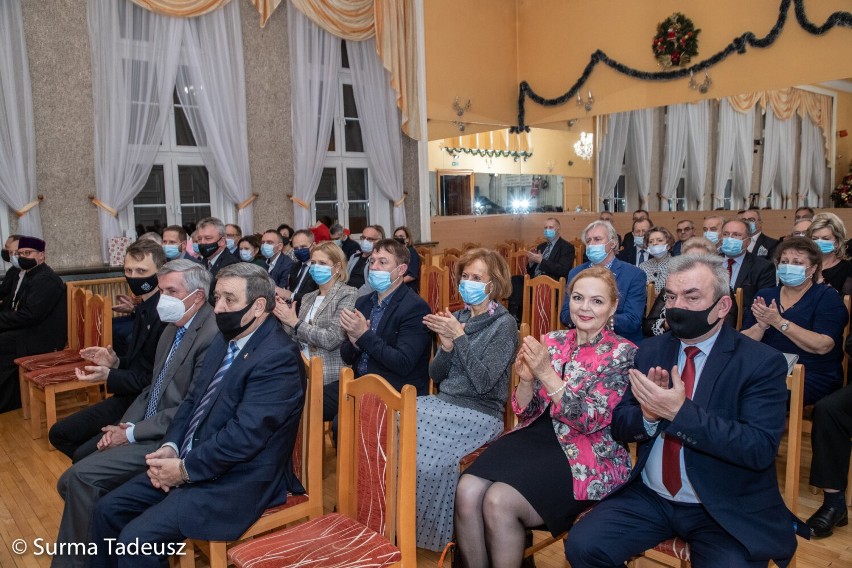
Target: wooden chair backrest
(504, 250)
(543, 297)
(738, 298)
(376, 461)
(510, 419)
(77, 318)
(539, 241)
(468, 246)
(425, 254)
(308, 450)
(435, 287)
(98, 324)
(516, 244)
(454, 298)
(518, 261)
(109, 287)
(579, 251)
(453, 252)
(796, 386)
(651, 292)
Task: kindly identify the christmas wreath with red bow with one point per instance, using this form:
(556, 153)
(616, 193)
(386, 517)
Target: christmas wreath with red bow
(676, 42)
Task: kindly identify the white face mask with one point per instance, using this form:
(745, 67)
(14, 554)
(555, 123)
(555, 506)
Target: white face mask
(171, 309)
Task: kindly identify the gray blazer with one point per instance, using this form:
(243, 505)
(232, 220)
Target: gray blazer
(179, 376)
(323, 333)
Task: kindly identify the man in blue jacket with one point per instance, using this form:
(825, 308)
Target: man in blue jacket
(601, 246)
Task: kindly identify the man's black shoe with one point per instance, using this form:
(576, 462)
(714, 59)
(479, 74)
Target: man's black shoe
(827, 517)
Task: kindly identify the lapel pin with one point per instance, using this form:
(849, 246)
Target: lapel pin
(245, 355)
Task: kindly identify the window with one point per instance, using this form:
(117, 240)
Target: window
(728, 197)
(179, 190)
(620, 195)
(345, 192)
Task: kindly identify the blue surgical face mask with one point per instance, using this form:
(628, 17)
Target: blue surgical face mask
(791, 274)
(639, 241)
(731, 246)
(338, 242)
(320, 273)
(196, 248)
(267, 250)
(230, 244)
(380, 280)
(172, 251)
(473, 293)
(752, 227)
(596, 253)
(825, 246)
(712, 236)
(658, 250)
(246, 255)
(550, 234)
(366, 245)
(302, 254)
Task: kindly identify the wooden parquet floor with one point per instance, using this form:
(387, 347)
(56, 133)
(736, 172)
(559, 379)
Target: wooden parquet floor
(30, 508)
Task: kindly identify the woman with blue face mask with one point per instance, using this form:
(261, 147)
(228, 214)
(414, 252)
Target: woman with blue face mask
(248, 250)
(829, 234)
(802, 316)
(472, 368)
(656, 268)
(316, 325)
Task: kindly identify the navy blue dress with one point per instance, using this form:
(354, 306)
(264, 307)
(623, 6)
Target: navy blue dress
(820, 310)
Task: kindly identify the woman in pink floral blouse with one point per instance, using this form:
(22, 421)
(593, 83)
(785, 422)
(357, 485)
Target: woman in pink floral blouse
(562, 457)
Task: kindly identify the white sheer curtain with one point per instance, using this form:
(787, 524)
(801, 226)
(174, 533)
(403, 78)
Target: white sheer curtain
(611, 158)
(811, 165)
(380, 128)
(17, 133)
(314, 63)
(698, 140)
(677, 126)
(736, 131)
(211, 87)
(134, 60)
(638, 152)
(778, 157)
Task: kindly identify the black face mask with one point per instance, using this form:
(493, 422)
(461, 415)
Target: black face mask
(26, 263)
(208, 249)
(4, 254)
(285, 240)
(229, 322)
(141, 286)
(400, 240)
(690, 324)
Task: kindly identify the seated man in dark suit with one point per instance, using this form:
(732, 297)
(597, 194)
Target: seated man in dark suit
(638, 215)
(77, 435)
(359, 264)
(227, 455)
(685, 231)
(601, 243)
(300, 281)
(759, 244)
(746, 270)
(706, 405)
(278, 264)
(385, 332)
(184, 286)
(32, 320)
(212, 245)
(553, 258)
(638, 252)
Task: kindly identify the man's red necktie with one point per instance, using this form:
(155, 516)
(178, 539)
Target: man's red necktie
(671, 445)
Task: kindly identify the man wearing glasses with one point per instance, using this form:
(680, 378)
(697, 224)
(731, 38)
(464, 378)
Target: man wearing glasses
(33, 321)
(685, 231)
(359, 264)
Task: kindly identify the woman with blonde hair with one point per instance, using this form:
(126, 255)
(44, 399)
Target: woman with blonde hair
(316, 326)
(829, 234)
(471, 368)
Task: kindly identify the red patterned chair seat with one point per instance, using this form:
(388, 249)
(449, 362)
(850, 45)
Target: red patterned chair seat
(676, 547)
(53, 375)
(332, 540)
(291, 500)
(64, 357)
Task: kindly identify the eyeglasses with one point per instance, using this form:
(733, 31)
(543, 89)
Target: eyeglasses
(26, 253)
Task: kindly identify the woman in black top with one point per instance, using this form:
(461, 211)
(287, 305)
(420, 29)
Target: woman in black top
(829, 233)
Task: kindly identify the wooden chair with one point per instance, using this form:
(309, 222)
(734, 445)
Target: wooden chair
(45, 384)
(651, 295)
(516, 244)
(454, 298)
(425, 254)
(453, 252)
(376, 488)
(539, 241)
(518, 262)
(435, 287)
(738, 298)
(108, 287)
(504, 250)
(675, 552)
(307, 465)
(468, 246)
(579, 251)
(542, 303)
(71, 354)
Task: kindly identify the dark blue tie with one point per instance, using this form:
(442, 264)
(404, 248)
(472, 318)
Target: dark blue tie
(154, 399)
(212, 389)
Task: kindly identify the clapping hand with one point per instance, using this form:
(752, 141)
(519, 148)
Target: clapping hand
(285, 312)
(534, 256)
(766, 316)
(124, 304)
(354, 324)
(537, 358)
(92, 373)
(103, 356)
(656, 399)
(446, 326)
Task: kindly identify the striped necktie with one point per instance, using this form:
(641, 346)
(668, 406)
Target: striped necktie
(154, 399)
(212, 389)
(544, 256)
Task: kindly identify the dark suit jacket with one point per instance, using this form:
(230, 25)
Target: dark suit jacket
(308, 284)
(730, 432)
(628, 255)
(767, 243)
(135, 369)
(632, 294)
(8, 284)
(281, 271)
(186, 364)
(225, 259)
(676, 248)
(240, 463)
(38, 310)
(399, 348)
(560, 262)
(755, 274)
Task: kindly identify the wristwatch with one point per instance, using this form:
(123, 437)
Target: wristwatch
(785, 325)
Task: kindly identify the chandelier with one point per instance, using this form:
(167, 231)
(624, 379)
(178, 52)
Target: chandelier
(584, 146)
